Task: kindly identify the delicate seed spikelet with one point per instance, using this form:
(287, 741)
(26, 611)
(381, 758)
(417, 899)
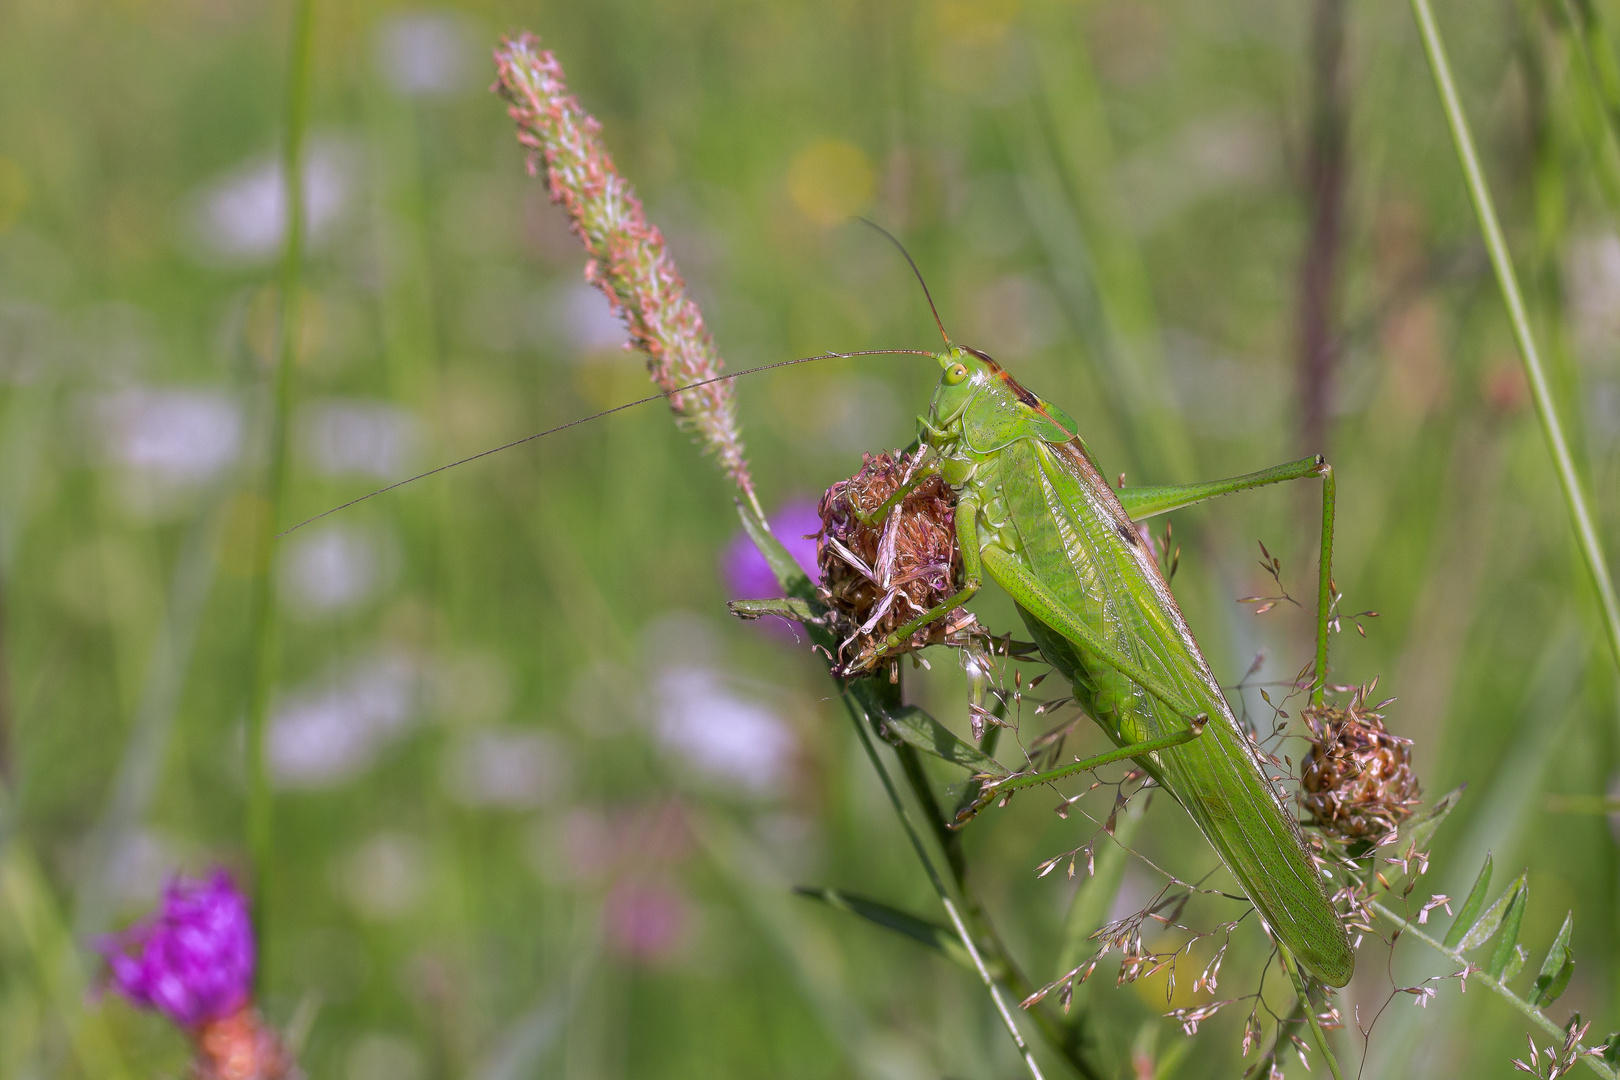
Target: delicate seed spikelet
(877, 577)
(1357, 781)
(629, 260)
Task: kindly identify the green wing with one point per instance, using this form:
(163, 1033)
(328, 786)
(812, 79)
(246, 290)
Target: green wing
(1074, 537)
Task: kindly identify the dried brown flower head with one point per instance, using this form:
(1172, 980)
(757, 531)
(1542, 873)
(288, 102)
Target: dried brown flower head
(1357, 781)
(877, 577)
(240, 1047)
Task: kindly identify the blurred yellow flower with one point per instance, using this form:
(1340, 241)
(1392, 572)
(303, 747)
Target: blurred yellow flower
(830, 180)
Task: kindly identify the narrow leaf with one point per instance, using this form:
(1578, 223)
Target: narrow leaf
(916, 728)
(1490, 922)
(791, 576)
(1510, 932)
(1471, 907)
(941, 939)
(787, 607)
(1515, 964)
(1554, 967)
(1422, 828)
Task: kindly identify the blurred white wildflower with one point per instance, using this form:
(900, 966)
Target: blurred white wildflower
(427, 53)
(322, 735)
(719, 733)
(585, 316)
(241, 218)
(377, 1056)
(182, 437)
(332, 569)
(357, 437)
(509, 768)
(383, 878)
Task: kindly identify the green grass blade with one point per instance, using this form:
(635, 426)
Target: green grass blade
(1515, 963)
(1569, 480)
(1556, 969)
(1471, 906)
(262, 618)
(1490, 922)
(788, 572)
(916, 728)
(1318, 1036)
(942, 939)
(1510, 933)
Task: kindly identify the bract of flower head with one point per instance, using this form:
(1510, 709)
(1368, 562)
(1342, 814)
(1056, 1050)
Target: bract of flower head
(192, 960)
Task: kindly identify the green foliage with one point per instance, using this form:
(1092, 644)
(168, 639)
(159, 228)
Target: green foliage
(1469, 912)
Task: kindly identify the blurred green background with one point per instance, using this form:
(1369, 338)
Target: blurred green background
(539, 801)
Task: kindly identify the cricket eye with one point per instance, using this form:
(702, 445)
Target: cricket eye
(954, 374)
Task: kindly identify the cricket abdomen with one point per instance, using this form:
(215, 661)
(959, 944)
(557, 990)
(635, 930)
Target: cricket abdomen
(1067, 523)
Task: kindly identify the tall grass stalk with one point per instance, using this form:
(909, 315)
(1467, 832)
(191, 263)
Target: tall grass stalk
(1318, 1036)
(1502, 262)
(262, 622)
(1002, 1009)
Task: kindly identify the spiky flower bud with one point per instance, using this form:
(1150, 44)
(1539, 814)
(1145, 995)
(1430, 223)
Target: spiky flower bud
(877, 577)
(1357, 781)
(629, 260)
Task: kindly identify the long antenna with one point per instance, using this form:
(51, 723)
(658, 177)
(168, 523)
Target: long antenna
(886, 234)
(661, 395)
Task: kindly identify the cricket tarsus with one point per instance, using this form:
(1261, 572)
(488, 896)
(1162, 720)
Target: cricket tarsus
(660, 396)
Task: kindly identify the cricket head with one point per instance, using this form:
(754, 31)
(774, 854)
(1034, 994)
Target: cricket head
(964, 372)
(980, 399)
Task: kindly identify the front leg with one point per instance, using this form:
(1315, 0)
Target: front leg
(916, 476)
(967, 538)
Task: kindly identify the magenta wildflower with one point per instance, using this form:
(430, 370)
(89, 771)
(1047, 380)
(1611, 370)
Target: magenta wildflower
(629, 260)
(193, 959)
(748, 576)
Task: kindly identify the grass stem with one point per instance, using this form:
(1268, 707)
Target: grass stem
(957, 923)
(1502, 262)
(1318, 1036)
(262, 622)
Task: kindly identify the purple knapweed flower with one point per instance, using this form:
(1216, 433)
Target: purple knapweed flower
(193, 959)
(748, 576)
